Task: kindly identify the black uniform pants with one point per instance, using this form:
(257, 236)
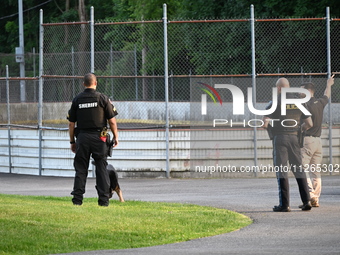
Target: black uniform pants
(90, 144)
(287, 149)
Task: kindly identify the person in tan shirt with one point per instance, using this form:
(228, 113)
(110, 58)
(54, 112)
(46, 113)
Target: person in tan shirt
(312, 145)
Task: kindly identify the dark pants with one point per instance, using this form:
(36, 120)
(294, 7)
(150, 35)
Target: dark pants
(90, 144)
(286, 148)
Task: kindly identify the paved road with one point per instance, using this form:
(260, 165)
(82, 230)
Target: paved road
(312, 232)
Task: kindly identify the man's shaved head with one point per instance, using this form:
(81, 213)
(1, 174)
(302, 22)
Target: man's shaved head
(89, 79)
(282, 83)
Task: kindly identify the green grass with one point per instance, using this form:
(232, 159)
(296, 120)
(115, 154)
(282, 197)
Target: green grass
(47, 225)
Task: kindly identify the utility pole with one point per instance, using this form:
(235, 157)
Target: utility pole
(20, 53)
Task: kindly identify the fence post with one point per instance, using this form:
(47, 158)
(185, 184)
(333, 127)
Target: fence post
(111, 71)
(135, 71)
(34, 75)
(73, 72)
(41, 82)
(22, 51)
(8, 121)
(166, 81)
(92, 38)
(253, 77)
(329, 73)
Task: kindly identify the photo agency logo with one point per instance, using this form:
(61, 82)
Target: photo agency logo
(204, 97)
(238, 104)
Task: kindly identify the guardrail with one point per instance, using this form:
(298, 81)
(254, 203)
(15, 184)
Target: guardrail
(142, 153)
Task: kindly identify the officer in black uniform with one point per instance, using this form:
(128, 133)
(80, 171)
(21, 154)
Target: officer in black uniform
(91, 111)
(286, 148)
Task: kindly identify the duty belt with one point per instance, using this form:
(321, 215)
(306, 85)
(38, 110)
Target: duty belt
(288, 133)
(90, 130)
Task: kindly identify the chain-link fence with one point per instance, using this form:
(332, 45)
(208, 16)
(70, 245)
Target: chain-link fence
(128, 59)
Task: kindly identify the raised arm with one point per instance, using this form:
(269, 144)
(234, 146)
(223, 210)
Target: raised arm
(329, 85)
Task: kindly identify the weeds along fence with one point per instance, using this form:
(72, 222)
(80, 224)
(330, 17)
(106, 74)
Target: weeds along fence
(156, 71)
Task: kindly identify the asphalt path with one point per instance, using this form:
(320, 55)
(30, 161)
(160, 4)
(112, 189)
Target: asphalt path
(297, 232)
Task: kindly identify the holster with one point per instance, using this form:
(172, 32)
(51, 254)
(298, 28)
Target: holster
(109, 143)
(301, 137)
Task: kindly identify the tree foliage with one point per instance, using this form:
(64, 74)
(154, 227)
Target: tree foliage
(188, 52)
(62, 11)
